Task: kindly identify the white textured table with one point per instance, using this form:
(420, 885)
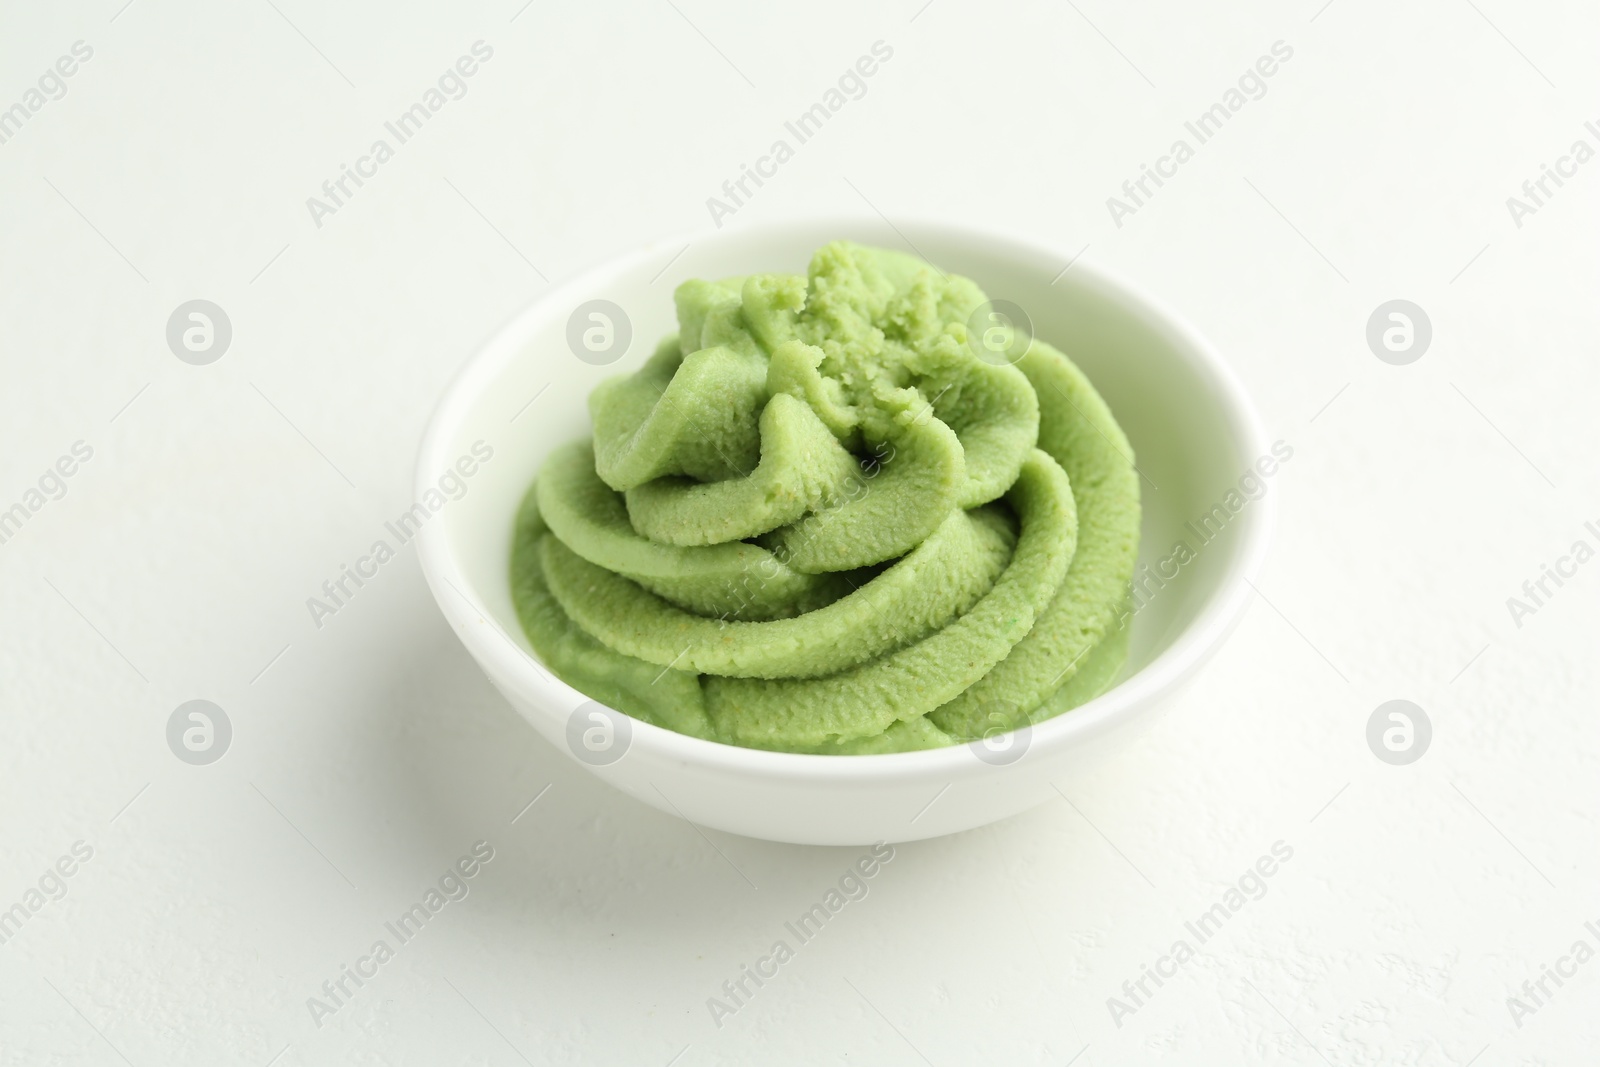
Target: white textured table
(368, 754)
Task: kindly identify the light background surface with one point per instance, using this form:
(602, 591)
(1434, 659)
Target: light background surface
(370, 753)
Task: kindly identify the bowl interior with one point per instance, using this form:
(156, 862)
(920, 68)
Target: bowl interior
(527, 392)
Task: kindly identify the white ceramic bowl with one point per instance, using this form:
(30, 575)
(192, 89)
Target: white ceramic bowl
(1190, 422)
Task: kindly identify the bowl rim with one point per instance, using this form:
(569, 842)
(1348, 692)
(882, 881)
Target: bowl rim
(1122, 703)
